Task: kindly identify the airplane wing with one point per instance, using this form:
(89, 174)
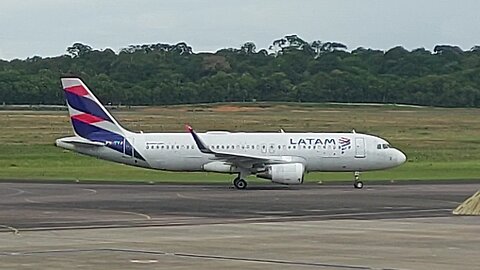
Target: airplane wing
(236, 159)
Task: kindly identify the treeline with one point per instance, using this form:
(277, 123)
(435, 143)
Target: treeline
(290, 70)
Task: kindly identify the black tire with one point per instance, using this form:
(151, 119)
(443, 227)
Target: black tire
(240, 183)
(358, 184)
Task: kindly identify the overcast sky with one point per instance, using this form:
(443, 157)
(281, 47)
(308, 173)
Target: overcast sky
(48, 27)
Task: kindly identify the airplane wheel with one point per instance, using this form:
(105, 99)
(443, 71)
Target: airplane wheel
(240, 183)
(358, 184)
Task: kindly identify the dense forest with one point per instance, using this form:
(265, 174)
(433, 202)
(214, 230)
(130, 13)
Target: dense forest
(292, 69)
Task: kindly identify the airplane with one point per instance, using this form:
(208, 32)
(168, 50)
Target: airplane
(282, 158)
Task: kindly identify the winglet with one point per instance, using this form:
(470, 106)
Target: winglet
(200, 144)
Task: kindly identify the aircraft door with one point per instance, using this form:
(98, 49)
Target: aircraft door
(359, 147)
(128, 150)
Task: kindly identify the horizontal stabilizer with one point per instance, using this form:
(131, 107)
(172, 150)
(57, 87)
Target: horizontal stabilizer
(79, 141)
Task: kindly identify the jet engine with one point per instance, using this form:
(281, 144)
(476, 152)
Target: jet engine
(288, 174)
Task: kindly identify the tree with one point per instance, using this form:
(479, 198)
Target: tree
(447, 49)
(248, 48)
(290, 43)
(182, 48)
(295, 70)
(78, 50)
(316, 47)
(332, 46)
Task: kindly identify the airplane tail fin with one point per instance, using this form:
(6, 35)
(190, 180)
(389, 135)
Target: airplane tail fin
(89, 118)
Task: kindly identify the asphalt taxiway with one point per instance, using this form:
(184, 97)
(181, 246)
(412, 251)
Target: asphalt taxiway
(69, 226)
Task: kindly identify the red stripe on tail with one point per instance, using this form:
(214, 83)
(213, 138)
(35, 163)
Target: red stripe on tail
(78, 90)
(87, 118)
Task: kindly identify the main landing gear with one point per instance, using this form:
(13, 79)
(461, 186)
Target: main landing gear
(357, 183)
(240, 183)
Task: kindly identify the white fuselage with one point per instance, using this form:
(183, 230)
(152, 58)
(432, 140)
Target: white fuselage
(283, 158)
(328, 152)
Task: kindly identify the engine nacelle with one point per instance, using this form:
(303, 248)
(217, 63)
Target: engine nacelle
(288, 174)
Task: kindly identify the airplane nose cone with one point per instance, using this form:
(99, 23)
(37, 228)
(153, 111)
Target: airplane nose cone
(401, 158)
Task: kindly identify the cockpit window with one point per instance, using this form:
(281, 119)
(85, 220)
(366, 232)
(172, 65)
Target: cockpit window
(383, 146)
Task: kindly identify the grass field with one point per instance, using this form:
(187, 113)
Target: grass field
(440, 143)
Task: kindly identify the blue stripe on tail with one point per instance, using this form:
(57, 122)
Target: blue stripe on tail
(112, 140)
(86, 105)
(94, 133)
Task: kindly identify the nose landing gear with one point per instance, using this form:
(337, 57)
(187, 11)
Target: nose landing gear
(357, 183)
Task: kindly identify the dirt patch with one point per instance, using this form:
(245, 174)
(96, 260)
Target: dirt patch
(160, 110)
(317, 111)
(229, 108)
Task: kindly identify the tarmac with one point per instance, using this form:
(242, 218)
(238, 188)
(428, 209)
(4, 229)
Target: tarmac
(105, 226)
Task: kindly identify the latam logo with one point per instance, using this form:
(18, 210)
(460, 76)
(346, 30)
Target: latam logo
(344, 143)
(312, 141)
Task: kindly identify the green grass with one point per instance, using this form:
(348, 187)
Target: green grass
(439, 143)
